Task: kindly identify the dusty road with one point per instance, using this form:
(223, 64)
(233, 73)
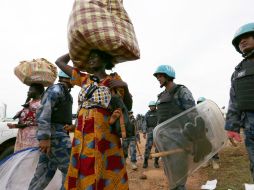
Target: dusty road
(156, 180)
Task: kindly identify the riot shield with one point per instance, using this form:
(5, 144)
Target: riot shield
(189, 139)
(17, 171)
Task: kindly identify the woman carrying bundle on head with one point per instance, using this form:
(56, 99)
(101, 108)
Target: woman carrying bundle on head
(97, 160)
(27, 125)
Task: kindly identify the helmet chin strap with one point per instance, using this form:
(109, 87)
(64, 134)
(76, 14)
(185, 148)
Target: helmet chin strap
(249, 54)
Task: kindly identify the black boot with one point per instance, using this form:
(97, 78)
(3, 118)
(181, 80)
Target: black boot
(145, 164)
(156, 163)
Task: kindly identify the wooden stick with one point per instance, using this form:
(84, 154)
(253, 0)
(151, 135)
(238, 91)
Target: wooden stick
(232, 142)
(166, 153)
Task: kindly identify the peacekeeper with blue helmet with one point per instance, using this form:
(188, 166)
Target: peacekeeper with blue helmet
(54, 142)
(150, 122)
(173, 100)
(241, 104)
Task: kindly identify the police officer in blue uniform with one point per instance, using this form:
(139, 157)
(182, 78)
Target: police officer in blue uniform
(172, 101)
(241, 104)
(149, 124)
(54, 142)
(130, 143)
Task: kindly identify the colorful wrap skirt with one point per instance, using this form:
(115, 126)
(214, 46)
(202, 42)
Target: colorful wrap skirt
(97, 161)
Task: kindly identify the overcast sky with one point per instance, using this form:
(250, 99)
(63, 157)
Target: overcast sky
(193, 36)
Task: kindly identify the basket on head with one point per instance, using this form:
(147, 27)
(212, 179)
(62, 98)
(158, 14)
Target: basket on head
(36, 71)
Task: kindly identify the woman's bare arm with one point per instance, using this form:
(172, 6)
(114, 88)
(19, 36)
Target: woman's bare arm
(62, 62)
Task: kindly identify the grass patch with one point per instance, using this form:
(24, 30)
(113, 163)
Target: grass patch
(234, 169)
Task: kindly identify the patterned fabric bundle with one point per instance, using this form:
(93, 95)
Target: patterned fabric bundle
(101, 96)
(103, 25)
(36, 71)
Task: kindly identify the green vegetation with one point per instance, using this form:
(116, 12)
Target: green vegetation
(234, 169)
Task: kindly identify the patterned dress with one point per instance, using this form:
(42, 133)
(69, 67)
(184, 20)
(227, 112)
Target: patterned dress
(26, 137)
(97, 161)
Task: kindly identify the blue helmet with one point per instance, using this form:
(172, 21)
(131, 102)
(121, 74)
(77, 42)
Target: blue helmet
(63, 75)
(152, 103)
(165, 69)
(201, 99)
(247, 28)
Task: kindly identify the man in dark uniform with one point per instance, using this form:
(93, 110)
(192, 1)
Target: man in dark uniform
(149, 124)
(54, 142)
(241, 104)
(129, 143)
(172, 101)
(139, 121)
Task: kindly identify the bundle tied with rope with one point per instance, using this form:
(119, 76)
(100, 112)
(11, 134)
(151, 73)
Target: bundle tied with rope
(39, 71)
(102, 25)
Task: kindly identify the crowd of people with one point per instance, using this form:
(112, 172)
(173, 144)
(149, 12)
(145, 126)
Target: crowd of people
(96, 158)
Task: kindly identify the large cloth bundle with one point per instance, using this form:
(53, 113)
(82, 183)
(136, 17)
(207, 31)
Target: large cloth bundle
(36, 71)
(17, 171)
(103, 25)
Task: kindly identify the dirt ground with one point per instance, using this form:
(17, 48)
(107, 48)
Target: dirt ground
(156, 180)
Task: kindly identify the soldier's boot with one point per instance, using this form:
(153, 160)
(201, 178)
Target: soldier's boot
(134, 166)
(145, 164)
(215, 165)
(156, 162)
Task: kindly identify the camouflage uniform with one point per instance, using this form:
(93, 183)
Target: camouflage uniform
(236, 118)
(130, 143)
(60, 141)
(169, 104)
(149, 124)
(139, 122)
(149, 143)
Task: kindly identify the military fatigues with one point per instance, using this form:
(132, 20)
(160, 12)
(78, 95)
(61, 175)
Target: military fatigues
(169, 104)
(55, 111)
(139, 122)
(130, 143)
(149, 124)
(241, 107)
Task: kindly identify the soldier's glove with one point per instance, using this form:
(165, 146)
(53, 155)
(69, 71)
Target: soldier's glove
(196, 133)
(234, 135)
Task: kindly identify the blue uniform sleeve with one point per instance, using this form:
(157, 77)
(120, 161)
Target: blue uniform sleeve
(43, 116)
(186, 99)
(233, 117)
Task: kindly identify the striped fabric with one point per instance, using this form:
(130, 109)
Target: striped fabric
(36, 71)
(103, 25)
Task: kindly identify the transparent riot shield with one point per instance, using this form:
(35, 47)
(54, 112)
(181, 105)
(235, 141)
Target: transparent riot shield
(17, 171)
(188, 140)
